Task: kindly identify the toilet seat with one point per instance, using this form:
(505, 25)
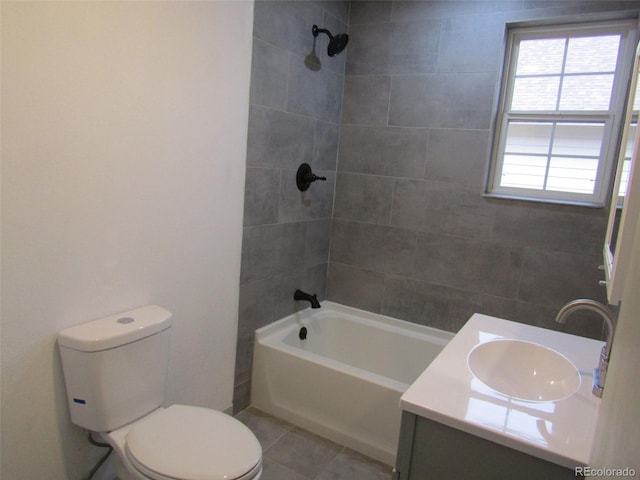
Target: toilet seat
(193, 443)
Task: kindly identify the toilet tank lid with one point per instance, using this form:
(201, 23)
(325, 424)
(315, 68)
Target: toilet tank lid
(116, 330)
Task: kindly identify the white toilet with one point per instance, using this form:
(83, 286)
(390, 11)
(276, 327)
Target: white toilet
(115, 371)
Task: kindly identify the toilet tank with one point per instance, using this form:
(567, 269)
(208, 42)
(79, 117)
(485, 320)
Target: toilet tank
(115, 368)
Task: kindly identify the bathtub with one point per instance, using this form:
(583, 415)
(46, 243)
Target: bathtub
(345, 380)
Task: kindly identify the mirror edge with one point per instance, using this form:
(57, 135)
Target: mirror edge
(613, 269)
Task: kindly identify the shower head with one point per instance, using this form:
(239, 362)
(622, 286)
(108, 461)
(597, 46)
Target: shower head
(336, 43)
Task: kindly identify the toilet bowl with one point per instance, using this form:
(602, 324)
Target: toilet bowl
(115, 373)
(186, 443)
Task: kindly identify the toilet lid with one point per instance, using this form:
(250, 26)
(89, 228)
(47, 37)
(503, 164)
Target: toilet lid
(193, 443)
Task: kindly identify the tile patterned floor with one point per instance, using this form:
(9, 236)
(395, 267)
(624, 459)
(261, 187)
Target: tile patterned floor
(291, 453)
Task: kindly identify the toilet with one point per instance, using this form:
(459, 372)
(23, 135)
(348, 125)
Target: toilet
(115, 372)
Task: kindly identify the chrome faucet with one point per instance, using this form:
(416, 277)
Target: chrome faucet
(600, 374)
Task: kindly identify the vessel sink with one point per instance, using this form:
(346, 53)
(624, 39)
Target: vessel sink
(524, 370)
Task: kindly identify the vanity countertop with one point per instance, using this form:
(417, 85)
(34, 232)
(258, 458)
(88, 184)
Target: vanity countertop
(560, 431)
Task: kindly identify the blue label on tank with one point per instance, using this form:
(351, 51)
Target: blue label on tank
(80, 401)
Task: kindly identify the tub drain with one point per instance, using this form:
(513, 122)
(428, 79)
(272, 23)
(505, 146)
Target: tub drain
(302, 335)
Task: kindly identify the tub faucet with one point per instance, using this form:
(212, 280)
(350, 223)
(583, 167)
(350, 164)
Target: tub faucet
(600, 374)
(313, 299)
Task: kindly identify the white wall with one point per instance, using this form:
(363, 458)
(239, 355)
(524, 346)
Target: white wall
(618, 436)
(123, 160)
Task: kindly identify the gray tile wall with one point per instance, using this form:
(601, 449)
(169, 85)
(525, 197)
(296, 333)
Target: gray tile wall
(412, 235)
(294, 118)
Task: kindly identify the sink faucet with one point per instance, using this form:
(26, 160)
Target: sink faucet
(313, 299)
(600, 374)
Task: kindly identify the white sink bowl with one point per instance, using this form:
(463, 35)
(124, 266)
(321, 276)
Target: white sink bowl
(524, 370)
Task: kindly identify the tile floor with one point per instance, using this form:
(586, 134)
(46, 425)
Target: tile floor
(291, 453)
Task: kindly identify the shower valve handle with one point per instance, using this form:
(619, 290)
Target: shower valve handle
(305, 177)
(313, 177)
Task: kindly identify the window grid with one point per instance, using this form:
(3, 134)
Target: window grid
(557, 159)
(573, 177)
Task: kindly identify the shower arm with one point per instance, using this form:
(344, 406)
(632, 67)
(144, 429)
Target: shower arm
(315, 30)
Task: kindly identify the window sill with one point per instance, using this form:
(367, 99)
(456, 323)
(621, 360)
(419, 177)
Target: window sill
(524, 198)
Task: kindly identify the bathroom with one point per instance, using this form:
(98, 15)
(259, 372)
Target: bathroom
(101, 212)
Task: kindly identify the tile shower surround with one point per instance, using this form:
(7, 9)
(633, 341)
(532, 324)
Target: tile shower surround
(294, 118)
(399, 123)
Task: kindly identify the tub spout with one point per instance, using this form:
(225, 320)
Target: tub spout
(313, 299)
(608, 317)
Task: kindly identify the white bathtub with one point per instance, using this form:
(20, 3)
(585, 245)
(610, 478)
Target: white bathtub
(345, 380)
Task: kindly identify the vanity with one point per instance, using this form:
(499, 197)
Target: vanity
(536, 420)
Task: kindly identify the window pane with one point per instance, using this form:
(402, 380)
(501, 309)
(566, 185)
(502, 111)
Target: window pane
(523, 171)
(586, 92)
(572, 174)
(592, 54)
(573, 161)
(537, 93)
(578, 139)
(533, 137)
(540, 56)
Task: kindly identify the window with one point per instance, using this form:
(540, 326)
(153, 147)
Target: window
(560, 111)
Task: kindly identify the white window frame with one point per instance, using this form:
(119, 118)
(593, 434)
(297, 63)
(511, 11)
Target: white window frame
(628, 29)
